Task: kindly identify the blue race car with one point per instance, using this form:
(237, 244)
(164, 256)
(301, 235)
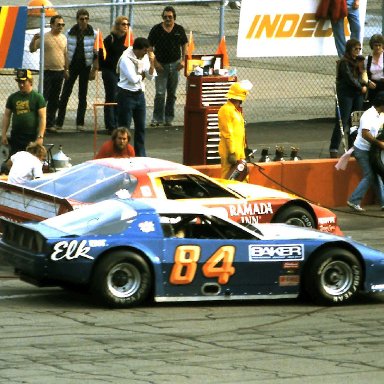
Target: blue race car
(128, 251)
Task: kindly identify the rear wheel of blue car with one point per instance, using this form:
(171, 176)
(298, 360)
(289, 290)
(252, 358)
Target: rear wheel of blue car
(295, 215)
(333, 277)
(122, 279)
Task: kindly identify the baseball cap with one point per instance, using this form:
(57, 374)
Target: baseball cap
(23, 74)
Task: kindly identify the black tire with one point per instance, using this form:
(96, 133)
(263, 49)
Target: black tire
(295, 215)
(333, 277)
(376, 155)
(122, 279)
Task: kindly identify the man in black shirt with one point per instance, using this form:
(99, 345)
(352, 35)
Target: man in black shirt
(169, 42)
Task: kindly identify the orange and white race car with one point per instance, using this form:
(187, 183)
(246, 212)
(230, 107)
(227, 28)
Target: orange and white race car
(143, 177)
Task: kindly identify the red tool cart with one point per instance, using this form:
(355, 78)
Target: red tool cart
(205, 96)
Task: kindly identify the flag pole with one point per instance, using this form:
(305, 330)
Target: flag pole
(97, 72)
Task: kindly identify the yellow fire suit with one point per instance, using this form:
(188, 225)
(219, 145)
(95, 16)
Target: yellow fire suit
(232, 136)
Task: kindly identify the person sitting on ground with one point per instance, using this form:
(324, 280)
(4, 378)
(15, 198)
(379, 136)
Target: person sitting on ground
(118, 145)
(27, 165)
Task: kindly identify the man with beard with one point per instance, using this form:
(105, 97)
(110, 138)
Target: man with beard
(118, 145)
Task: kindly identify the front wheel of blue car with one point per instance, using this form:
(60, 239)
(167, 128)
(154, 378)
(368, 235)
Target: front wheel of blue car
(333, 277)
(122, 279)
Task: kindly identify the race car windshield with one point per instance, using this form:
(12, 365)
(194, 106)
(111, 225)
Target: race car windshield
(87, 182)
(109, 216)
(192, 187)
(198, 226)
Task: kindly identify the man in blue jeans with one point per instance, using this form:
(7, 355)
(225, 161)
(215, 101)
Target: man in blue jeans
(135, 64)
(370, 123)
(82, 59)
(354, 25)
(168, 41)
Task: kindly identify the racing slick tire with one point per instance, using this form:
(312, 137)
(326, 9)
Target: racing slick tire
(333, 277)
(122, 279)
(295, 215)
(376, 156)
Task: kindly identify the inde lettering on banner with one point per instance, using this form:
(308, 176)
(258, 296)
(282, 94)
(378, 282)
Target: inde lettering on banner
(265, 25)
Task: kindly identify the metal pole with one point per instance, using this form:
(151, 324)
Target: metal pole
(112, 14)
(342, 133)
(124, 9)
(130, 15)
(41, 66)
(221, 25)
(382, 17)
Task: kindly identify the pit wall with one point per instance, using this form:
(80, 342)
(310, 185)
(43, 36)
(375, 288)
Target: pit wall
(315, 180)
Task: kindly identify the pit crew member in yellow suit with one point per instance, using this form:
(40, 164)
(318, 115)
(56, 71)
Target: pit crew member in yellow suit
(232, 128)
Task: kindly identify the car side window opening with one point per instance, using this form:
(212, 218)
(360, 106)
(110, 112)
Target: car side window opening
(192, 187)
(201, 227)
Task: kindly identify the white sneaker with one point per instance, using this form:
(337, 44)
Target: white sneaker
(80, 128)
(355, 207)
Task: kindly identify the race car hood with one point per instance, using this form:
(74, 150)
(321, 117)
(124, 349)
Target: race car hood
(252, 190)
(289, 232)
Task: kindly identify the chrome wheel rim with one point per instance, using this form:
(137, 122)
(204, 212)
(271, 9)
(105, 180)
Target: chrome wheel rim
(123, 280)
(337, 278)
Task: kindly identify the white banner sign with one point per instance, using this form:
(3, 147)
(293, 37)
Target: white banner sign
(286, 28)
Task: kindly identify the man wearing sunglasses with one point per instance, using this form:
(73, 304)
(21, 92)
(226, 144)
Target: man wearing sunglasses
(55, 66)
(169, 42)
(82, 59)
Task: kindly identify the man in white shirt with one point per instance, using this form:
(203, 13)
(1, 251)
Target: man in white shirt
(371, 123)
(135, 64)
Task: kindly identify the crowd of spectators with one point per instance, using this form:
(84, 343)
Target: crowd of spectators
(78, 54)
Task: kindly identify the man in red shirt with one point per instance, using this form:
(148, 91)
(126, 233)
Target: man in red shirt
(118, 145)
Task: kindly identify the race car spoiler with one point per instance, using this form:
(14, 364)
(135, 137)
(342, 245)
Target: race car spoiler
(18, 203)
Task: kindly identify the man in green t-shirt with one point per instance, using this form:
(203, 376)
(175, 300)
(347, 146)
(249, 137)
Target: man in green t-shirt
(28, 112)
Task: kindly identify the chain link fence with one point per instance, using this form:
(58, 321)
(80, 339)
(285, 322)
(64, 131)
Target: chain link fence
(285, 88)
